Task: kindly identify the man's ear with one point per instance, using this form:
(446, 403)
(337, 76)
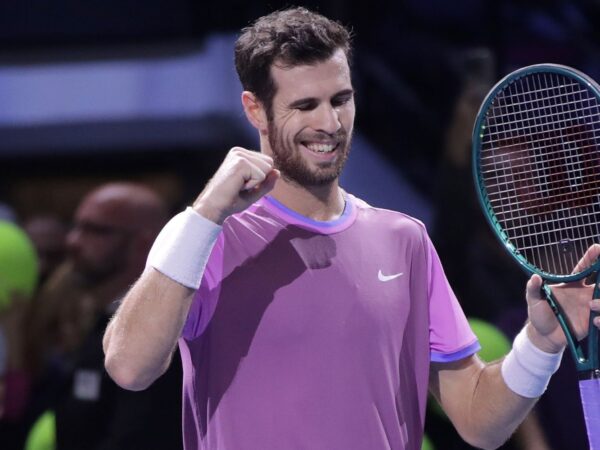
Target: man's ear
(255, 112)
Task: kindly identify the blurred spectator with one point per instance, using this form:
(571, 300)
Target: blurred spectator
(48, 234)
(114, 227)
(475, 263)
(18, 281)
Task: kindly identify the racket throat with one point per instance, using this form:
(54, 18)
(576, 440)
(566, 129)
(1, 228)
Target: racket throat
(585, 362)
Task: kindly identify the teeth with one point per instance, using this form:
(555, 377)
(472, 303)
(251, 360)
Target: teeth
(321, 148)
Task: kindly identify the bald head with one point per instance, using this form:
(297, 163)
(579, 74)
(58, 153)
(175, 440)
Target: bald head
(115, 226)
(129, 205)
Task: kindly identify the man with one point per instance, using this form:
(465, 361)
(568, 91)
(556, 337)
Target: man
(315, 321)
(113, 230)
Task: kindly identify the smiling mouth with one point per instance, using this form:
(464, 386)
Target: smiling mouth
(320, 147)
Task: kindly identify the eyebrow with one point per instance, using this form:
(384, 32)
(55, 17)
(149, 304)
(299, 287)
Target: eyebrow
(305, 100)
(344, 93)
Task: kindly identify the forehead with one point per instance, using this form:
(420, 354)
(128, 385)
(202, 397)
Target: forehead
(98, 210)
(322, 79)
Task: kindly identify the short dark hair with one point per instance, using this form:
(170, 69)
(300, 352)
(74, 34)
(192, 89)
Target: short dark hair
(294, 36)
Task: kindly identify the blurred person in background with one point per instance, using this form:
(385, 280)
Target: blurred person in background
(114, 227)
(48, 234)
(473, 260)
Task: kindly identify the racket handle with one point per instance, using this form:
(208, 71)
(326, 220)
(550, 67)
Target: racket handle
(590, 400)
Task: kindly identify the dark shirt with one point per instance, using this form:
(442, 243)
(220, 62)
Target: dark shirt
(94, 413)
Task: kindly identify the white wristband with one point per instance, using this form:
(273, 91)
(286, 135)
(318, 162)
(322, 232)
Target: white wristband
(183, 246)
(527, 369)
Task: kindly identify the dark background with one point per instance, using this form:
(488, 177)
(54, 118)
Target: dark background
(412, 59)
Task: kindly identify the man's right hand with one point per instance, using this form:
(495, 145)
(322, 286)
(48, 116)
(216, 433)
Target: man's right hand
(243, 178)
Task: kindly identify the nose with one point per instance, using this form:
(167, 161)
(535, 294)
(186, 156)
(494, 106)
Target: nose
(327, 119)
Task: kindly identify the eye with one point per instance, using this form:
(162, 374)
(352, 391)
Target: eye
(305, 106)
(341, 100)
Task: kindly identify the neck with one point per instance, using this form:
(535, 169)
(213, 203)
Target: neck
(321, 203)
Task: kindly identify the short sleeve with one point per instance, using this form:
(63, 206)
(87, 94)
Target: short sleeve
(450, 337)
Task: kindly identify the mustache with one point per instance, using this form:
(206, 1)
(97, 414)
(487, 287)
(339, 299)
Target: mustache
(339, 136)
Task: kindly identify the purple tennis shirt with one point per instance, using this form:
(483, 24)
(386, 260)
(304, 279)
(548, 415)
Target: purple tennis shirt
(317, 335)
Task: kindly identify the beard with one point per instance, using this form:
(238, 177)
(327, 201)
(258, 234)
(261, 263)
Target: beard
(288, 159)
(90, 275)
(93, 271)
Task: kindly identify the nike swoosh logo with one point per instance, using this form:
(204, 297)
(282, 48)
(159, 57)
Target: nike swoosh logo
(383, 277)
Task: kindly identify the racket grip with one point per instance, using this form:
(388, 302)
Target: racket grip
(590, 400)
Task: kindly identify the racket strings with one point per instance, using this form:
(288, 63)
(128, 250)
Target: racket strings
(534, 207)
(570, 131)
(556, 101)
(564, 225)
(522, 160)
(540, 166)
(516, 125)
(520, 171)
(540, 92)
(553, 193)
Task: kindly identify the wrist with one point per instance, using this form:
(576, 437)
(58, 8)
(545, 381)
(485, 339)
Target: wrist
(209, 211)
(527, 369)
(183, 247)
(207, 207)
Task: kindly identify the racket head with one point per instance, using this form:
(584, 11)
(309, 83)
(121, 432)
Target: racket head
(535, 127)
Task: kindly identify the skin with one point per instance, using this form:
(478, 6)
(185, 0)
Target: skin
(307, 115)
(314, 105)
(113, 229)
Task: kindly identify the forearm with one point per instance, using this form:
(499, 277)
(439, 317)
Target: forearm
(142, 335)
(495, 411)
(486, 402)
(484, 411)
(140, 339)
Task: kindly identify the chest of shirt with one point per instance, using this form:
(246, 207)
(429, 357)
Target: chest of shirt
(311, 290)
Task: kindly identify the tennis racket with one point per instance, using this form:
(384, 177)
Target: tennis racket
(536, 163)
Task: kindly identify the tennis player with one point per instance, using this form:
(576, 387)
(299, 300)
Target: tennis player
(306, 318)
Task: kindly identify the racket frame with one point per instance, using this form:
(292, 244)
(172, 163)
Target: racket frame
(587, 366)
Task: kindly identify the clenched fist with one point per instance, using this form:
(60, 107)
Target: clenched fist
(243, 177)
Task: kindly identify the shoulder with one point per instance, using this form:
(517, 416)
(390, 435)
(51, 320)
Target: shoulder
(244, 235)
(381, 219)
(254, 219)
